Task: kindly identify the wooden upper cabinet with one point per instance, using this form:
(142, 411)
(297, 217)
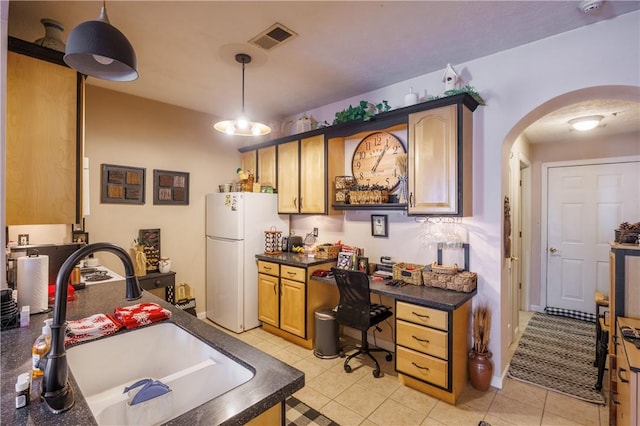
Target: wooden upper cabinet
(288, 177)
(248, 161)
(267, 166)
(439, 161)
(312, 175)
(302, 176)
(43, 146)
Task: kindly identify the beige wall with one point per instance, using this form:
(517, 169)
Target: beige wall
(131, 131)
(544, 153)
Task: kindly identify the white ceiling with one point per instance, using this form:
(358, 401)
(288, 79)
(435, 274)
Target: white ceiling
(186, 49)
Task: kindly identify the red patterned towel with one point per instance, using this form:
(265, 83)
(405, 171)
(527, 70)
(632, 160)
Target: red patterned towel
(98, 325)
(141, 314)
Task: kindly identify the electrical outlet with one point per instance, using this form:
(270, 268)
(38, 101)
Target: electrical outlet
(315, 232)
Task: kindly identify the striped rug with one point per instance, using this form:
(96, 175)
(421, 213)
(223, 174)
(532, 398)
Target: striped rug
(557, 353)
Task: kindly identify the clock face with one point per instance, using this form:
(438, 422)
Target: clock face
(374, 160)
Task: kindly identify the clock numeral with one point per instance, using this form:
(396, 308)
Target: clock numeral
(358, 164)
(368, 146)
(361, 175)
(388, 183)
(362, 155)
(395, 149)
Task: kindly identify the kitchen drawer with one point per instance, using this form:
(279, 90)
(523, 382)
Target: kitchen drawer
(268, 268)
(422, 315)
(423, 339)
(421, 366)
(157, 280)
(293, 273)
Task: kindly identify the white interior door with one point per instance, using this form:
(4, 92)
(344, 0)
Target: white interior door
(585, 204)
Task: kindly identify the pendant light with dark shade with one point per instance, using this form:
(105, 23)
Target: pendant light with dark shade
(242, 126)
(98, 49)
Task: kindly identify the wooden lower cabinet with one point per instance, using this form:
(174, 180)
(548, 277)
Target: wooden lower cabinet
(292, 304)
(432, 349)
(626, 377)
(287, 303)
(269, 300)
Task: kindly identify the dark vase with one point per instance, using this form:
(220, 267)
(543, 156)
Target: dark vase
(480, 370)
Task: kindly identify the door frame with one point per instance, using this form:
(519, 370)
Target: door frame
(544, 206)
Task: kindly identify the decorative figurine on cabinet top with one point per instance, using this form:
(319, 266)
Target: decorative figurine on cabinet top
(450, 78)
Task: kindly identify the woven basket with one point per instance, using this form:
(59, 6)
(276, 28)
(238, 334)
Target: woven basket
(327, 251)
(444, 269)
(410, 273)
(461, 281)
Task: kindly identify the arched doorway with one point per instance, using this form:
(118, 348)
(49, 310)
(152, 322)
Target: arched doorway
(523, 269)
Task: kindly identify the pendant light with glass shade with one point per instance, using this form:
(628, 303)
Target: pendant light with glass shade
(98, 49)
(242, 126)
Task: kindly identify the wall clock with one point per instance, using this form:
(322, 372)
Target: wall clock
(374, 160)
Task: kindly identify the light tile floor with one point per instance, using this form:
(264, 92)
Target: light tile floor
(359, 399)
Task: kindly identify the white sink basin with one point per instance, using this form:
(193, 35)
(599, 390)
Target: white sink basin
(195, 372)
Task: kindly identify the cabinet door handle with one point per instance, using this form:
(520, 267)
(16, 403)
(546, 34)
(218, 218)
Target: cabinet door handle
(622, 379)
(420, 340)
(295, 202)
(291, 274)
(157, 283)
(268, 268)
(613, 398)
(301, 203)
(411, 201)
(420, 316)
(419, 366)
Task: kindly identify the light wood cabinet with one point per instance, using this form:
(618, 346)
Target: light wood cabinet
(268, 299)
(432, 349)
(292, 306)
(267, 166)
(439, 161)
(288, 177)
(43, 142)
(626, 377)
(248, 161)
(302, 176)
(287, 302)
(281, 297)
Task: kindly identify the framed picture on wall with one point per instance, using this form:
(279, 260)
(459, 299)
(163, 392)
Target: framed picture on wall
(122, 184)
(170, 187)
(379, 225)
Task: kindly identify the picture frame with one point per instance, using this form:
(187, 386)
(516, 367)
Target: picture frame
(80, 237)
(345, 260)
(362, 264)
(122, 184)
(170, 188)
(379, 225)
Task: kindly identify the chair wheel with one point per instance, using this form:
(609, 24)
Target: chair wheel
(388, 357)
(376, 373)
(347, 368)
(341, 354)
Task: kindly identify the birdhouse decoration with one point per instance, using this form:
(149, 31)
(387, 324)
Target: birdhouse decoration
(450, 78)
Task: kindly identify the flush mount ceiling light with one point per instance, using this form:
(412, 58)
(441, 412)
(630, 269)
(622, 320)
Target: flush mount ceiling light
(586, 123)
(242, 126)
(98, 49)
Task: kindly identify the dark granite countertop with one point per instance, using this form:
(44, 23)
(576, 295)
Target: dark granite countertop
(432, 297)
(273, 381)
(293, 259)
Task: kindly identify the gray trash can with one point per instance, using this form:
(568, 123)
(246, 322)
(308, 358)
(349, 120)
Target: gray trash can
(326, 340)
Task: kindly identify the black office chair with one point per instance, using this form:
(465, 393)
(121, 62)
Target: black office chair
(356, 310)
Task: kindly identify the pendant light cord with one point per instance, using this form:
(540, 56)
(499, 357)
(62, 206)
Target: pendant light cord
(243, 88)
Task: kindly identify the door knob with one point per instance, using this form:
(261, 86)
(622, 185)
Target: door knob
(553, 249)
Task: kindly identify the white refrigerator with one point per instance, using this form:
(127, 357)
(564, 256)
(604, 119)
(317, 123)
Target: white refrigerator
(235, 225)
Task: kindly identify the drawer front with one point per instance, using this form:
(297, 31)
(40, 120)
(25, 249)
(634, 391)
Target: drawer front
(422, 339)
(149, 283)
(293, 273)
(268, 268)
(422, 315)
(421, 366)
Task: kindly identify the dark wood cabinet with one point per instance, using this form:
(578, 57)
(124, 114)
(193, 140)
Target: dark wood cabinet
(157, 281)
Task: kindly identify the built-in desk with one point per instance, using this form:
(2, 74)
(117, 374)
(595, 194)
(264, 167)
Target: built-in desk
(431, 336)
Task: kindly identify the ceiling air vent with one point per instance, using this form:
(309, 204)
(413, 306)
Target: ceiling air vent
(273, 36)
